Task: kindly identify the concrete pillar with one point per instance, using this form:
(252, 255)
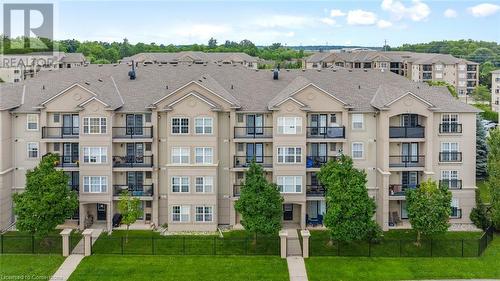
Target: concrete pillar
(305, 242)
(283, 236)
(303, 215)
(109, 222)
(87, 243)
(65, 241)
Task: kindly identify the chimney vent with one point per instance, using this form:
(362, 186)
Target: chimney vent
(276, 74)
(131, 73)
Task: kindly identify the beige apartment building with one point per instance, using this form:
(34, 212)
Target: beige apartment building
(495, 91)
(419, 67)
(180, 138)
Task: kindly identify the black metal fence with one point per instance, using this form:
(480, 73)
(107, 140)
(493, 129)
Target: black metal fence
(323, 246)
(29, 244)
(186, 245)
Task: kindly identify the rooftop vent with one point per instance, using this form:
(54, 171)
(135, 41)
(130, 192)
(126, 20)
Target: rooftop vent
(232, 86)
(276, 74)
(100, 80)
(87, 83)
(131, 73)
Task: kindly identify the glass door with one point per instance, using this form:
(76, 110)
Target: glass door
(135, 182)
(255, 123)
(409, 152)
(135, 152)
(134, 123)
(255, 152)
(70, 124)
(70, 153)
(409, 120)
(318, 124)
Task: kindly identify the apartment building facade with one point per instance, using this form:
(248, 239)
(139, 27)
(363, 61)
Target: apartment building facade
(180, 138)
(495, 91)
(419, 67)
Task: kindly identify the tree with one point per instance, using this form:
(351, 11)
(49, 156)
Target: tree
(260, 203)
(429, 208)
(128, 207)
(481, 93)
(494, 175)
(450, 87)
(46, 201)
(485, 73)
(481, 150)
(479, 214)
(212, 43)
(350, 211)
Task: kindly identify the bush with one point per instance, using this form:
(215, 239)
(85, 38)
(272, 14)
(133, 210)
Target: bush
(487, 113)
(479, 215)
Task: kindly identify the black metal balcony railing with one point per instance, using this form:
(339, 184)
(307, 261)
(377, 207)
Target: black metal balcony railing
(60, 132)
(318, 161)
(74, 187)
(450, 156)
(400, 189)
(451, 184)
(253, 132)
(450, 128)
(315, 190)
(133, 161)
(132, 132)
(326, 132)
(407, 132)
(456, 213)
(133, 190)
(237, 190)
(67, 161)
(244, 161)
(405, 161)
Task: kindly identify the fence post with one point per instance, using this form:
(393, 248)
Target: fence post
(66, 241)
(283, 235)
(462, 248)
(183, 245)
(369, 248)
(431, 247)
(153, 245)
(400, 247)
(32, 244)
(305, 242)
(246, 245)
(215, 245)
(338, 247)
(87, 245)
(121, 243)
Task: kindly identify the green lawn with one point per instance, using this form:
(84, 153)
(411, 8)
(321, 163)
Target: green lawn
(41, 266)
(150, 242)
(179, 268)
(362, 268)
(397, 243)
(15, 242)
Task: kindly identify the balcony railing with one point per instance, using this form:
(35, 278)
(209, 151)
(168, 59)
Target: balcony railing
(74, 187)
(318, 161)
(132, 132)
(67, 161)
(245, 161)
(253, 132)
(133, 190)
(60, 132)
(133, 161)
(315, 190)
(450, 128)
(407, 132)
(456, 213)
(450, 156)
(326, 132)
(400, 189)
(406, 161)
(237, 190)
(451, 184)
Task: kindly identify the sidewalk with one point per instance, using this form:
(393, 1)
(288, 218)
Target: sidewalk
(295, 261)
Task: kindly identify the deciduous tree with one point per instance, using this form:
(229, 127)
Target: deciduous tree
(128, 207)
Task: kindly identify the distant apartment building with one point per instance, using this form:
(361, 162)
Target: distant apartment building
(180, 138)
(16, 68)
(495, 91)
(419, 67)
(194, 57)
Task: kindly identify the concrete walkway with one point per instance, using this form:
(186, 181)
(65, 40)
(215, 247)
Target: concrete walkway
(296, 266)
(72, 261)
(293, 247)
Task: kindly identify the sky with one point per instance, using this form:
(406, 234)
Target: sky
(364, 23)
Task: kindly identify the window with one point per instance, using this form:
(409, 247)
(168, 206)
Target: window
(290, 184)
(147, 117)
(455, 209)
(461, 67)
(240, 118)
(180, 155)
(95, 155)
(357, 121)
(95, 184)
(204, 184)
(180, 184)
(204, 214)
(333, 118)
(449, 123)
(149, 175)
(94, 125)
(180, 213)
(357, 150)
(439, 67)
(203, 125)
(449, 152)
(180, 125)
(450, 179)
(289, 154)
(289, 125)
(57, 117)
(32, 149)
(439, 75)
(203, 155)
(57, 146)
(449, 147)
(32, 122)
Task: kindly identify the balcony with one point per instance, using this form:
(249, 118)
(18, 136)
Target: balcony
(400, 189)
(456, 213)
(318, 161)
(133, 161)
(451, 184)
(60, 132)
(450, 128)
(74, 187)
(237, 190)
(406, 161)
(326, 132)
(68, 161)
(133, 190)
(315, 190)
(253, 132)
(450, 156)
(407, 132)
(132, 132)
(245, 161)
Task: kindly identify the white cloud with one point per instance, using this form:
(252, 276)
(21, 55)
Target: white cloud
(384, 24)
(484, 10)
(328, 21)
(450, 13)
(417, 11)
(336, 13)
(361, 17)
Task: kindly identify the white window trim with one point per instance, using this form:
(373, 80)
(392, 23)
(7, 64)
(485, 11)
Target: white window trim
(87, 153)
(88, 126)
(180, 155)
(181, 213)
(203, 125)
(180, 126)
(37, 122)
(204, 155)
(37, 147)
(449, 146)
(362, 150)
(294, 129)
(103, 182)
(203, 214)
(204, 185)
(285, 154)
(362, 121)
(296, 180)
(180, 178)
(449, 117)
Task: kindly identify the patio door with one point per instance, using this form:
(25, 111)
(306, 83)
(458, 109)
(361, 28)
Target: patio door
(409, 120)
(70, 153)
(318, 124)
(135, 181)
(409, 151)
(409, 179)
(101, 212)
(287, 212)
(134, 124)
(135, 152)
(319, 153)
(404, 212)
(70, 124)
(255, 152)
(255, 123)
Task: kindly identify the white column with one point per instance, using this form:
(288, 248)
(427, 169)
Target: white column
(283, 235)
(65, 241)
(305, 242)
(87, 245)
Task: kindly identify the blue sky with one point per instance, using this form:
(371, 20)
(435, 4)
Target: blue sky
(366, 23)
